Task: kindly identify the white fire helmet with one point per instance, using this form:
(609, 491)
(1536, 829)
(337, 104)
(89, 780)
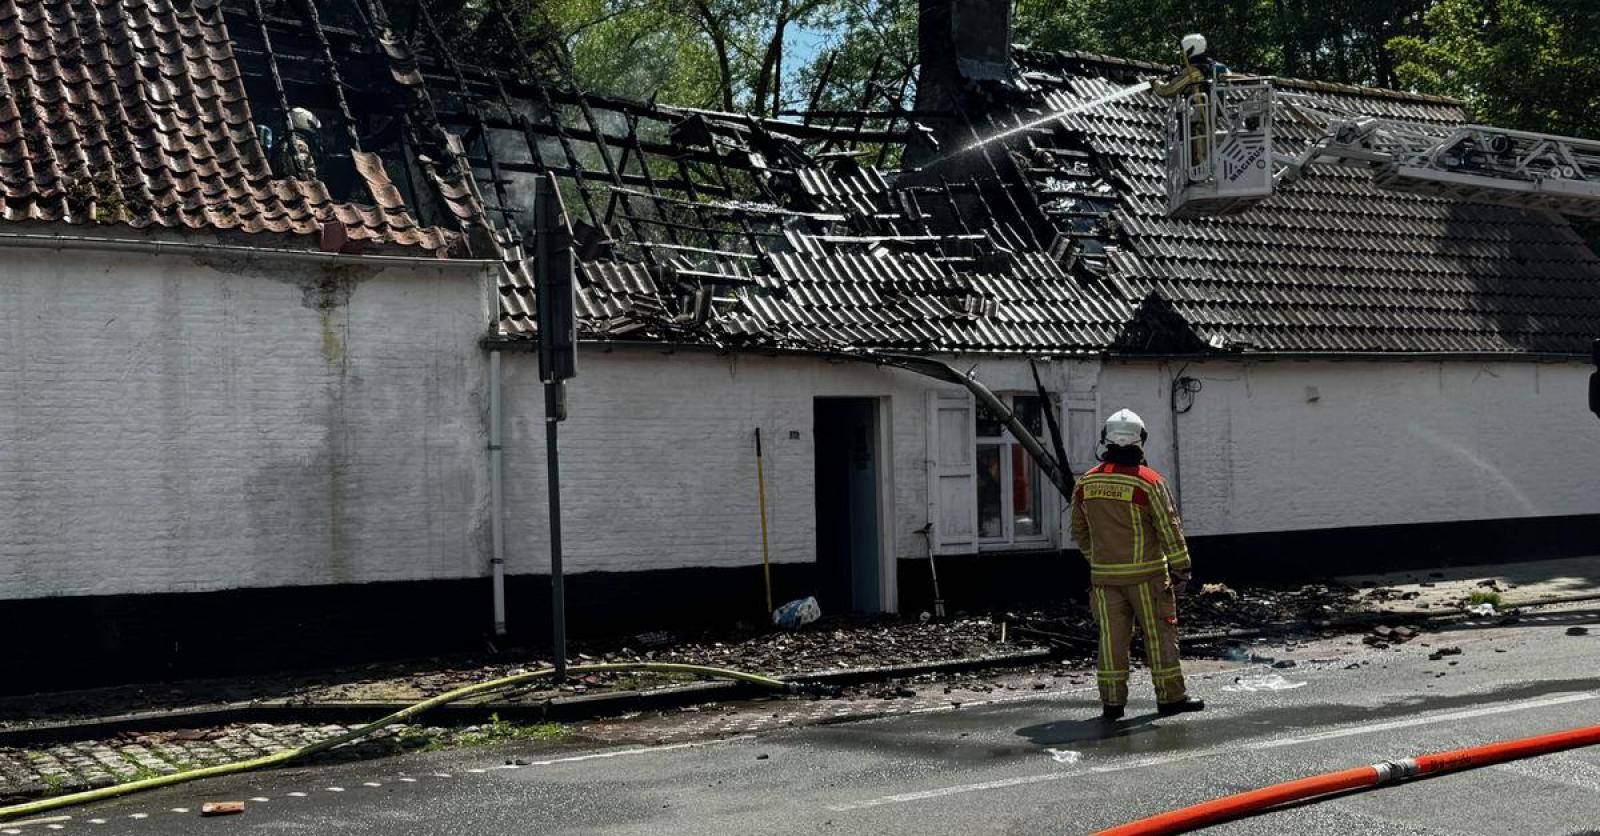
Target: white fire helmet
(1124, 429)
(1193, 45)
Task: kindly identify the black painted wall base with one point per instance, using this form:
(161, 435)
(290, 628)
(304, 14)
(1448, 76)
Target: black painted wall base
(60, 643)
(77, 642)
(1000, 579)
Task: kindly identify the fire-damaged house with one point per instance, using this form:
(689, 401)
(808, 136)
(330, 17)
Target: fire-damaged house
(268, 309)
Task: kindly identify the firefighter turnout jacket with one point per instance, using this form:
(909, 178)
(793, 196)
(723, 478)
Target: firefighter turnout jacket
(1126, 523)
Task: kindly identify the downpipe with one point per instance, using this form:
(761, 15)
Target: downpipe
(497, 561)
(1320, 787)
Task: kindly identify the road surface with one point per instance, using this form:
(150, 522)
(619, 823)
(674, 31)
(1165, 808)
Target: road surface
(1019, 764)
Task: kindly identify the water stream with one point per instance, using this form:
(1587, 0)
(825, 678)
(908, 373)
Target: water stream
(1109, 98)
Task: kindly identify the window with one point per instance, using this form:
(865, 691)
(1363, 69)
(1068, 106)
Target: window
(1010, 486)
(984, 490)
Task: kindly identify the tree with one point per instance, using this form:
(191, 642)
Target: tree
(1329, 40)
(1528, 64)
(724, 54)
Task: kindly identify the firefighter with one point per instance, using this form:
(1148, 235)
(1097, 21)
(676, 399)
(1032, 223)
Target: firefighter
(1200, 72)
(1196, 85)
(1127, 526)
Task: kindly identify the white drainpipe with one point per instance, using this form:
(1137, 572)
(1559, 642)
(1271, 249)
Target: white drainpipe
(496, 497)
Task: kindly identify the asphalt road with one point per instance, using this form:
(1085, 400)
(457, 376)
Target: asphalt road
(1027, 765)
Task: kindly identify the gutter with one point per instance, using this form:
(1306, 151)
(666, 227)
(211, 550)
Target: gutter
(45, 241)
(506, 343)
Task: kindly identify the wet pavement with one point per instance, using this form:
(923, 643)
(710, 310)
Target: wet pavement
(1010, 760)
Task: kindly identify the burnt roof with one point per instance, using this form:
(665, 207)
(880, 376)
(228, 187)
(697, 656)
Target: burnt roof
(132, 113)
(722, 228)
(1056, 241)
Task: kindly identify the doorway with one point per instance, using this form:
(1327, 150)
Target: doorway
(849, 473)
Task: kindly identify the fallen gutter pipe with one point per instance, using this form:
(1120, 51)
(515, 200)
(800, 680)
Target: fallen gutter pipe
(939, 370)
(281, 758)
(35, 240)
(1319, 787)
(497, 561)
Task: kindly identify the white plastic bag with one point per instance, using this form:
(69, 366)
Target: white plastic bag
(797, 614)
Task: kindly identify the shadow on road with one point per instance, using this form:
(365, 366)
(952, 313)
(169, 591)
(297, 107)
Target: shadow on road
(1079, 731)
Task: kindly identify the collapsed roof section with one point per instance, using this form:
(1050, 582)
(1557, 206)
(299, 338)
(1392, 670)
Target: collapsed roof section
(693, 225)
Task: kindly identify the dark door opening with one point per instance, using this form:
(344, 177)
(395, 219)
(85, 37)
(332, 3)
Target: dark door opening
(849, 571)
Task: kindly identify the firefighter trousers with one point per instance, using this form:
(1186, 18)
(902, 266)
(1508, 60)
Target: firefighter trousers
(1150, 605)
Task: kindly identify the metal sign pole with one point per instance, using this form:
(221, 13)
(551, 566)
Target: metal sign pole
(554, 391)
(555, 291)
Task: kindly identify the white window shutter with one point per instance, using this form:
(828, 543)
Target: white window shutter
(952, 473)
(1083, 431)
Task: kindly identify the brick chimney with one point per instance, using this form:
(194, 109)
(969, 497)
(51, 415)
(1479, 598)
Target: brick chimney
(961, 44)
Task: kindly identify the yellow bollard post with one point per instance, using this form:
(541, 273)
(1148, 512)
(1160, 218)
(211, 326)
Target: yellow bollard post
(761, 489)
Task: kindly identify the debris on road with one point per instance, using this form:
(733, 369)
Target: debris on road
(1577, 631)
(221, 808)
(1443, 652)
(1271, 682)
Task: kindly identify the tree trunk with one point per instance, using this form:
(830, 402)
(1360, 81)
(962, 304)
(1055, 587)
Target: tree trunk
(770, 75)
(714, 29)
(1286, 40)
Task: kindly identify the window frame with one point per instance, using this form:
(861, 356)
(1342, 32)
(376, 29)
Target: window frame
(1049, 511)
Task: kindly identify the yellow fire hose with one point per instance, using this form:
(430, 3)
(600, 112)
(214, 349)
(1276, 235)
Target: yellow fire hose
(280, 758)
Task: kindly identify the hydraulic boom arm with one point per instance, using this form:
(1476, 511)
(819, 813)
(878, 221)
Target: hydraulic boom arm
(1221, 157)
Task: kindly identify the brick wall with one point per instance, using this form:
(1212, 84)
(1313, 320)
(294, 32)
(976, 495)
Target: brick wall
(1294, 445)
(658, 456)
(171, 424)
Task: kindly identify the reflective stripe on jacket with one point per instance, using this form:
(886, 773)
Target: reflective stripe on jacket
(1127, 525)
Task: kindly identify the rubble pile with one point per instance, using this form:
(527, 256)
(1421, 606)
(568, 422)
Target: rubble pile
(1219, 607)
(847, 643)
(833, 643)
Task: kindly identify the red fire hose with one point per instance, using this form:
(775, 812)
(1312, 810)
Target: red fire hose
(1254, 801)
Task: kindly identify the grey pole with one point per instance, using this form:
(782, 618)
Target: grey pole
(553, 395)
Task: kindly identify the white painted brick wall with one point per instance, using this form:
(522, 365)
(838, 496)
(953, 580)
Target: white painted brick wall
(658, 460)
(1386, 442)
(659, 470)
(168, 424)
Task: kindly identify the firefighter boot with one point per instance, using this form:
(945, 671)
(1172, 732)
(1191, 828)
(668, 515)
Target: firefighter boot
(1167, 709)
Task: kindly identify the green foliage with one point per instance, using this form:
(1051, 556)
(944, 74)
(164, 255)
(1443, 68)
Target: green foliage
(1330, 40)
(502, 731)
(1528, 64)
(1482, 597)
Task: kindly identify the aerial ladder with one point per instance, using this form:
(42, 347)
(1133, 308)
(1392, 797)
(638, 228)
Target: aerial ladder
(1220, 156)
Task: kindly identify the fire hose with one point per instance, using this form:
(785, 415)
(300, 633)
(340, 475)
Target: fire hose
(1318, 787)
(404, 714)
